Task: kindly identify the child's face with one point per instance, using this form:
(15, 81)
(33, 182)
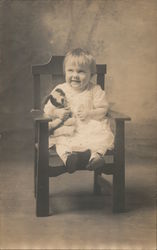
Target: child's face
(78, 76)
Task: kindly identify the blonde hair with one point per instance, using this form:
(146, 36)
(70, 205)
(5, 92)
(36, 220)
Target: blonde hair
(80, 57)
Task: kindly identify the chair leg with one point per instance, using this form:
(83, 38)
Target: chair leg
(35, 171)
(35, 155)
(42, 180)
(119, 172)
(118, 192)
(97, 188)
(42, 196)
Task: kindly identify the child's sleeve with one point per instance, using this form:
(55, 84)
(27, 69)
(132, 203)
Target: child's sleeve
(99, 98)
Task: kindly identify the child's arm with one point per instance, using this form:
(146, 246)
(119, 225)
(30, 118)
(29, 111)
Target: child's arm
(96, 114)
(100, 106)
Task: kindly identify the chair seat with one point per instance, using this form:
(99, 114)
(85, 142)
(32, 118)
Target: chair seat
(55, 160)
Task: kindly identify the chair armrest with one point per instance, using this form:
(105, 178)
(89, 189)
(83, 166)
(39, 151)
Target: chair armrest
(39, 116)
(118, 116)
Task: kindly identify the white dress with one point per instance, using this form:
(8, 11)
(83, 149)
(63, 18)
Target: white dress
(89, 134)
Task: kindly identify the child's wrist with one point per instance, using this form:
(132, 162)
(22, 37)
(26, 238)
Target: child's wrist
(90, 114)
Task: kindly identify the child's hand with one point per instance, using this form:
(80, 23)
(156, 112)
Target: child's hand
(82, 113)
(64, 113)
(70, 122)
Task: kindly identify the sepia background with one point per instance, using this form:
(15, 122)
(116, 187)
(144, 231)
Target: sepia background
(120, 33)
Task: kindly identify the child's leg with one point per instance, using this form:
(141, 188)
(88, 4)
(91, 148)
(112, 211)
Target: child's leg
(73, 160)
(55, 171)
(96, 161)
(63, 152)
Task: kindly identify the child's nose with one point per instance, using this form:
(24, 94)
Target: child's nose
(75, 74)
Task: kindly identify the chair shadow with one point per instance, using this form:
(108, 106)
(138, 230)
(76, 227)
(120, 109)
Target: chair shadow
(138, 199)
(65, 201)
(82, 200)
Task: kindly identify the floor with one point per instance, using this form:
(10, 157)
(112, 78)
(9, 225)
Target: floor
(79, 219)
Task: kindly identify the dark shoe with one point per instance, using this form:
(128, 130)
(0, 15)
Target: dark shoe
(83, 159)
(72, 162)
(77, 160)
(96, 164)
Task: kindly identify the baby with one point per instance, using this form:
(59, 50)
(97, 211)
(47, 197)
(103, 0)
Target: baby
(92, 136)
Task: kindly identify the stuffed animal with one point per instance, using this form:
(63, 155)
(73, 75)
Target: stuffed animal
(57, 127)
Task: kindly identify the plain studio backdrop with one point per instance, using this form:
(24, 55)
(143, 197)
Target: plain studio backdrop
(120, 33)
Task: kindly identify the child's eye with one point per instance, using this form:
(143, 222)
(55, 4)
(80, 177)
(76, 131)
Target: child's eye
(80, 71)
(70, 70)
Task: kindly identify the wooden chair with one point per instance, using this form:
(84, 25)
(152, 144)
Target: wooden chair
(42, 168)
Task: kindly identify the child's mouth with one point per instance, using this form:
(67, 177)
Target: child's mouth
(75, 81)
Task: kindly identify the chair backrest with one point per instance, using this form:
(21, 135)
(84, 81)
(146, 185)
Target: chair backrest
(55, 68)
